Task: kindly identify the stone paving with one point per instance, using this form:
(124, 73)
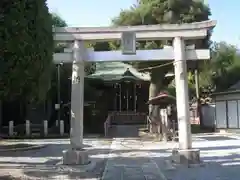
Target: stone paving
(127, 159)
(46, 164)
(221, 160)
(150, 160)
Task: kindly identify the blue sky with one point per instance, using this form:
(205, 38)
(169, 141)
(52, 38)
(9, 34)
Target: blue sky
(99, 13)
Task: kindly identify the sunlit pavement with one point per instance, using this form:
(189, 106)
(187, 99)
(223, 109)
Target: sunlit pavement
(221, 159)
(127, 159)
(45, 163)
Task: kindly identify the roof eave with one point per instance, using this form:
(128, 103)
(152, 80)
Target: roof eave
(225, 92)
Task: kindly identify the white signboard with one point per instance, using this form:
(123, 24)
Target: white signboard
(128, 43)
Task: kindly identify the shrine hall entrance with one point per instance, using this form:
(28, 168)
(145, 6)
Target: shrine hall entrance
(127, 97)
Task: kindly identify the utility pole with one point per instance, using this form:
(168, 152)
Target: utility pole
(59, 92)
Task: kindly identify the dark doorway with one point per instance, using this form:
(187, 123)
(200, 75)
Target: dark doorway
(127, 96)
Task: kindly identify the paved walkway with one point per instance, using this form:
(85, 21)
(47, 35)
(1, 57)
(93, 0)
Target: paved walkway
(45, 163)
(127, 159)
(130, 160)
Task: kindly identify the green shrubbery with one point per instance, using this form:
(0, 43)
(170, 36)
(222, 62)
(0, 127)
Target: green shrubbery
(26, 51)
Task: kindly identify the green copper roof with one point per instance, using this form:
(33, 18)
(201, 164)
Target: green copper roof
(115, 71)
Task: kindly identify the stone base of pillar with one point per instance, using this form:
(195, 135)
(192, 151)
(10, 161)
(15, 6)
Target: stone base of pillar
(187, 156)
(75, 157)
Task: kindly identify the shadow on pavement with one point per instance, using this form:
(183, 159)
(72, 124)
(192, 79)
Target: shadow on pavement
(215, 165)
(219, 148)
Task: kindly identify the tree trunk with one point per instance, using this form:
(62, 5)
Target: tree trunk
(155, 86)
(154, 89)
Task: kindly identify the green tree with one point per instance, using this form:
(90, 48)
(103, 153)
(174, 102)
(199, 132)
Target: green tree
(26, 43)
(57, 21)
(65, 71)
(158, 12)
(222, 70)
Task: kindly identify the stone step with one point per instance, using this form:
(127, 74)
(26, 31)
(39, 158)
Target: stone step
(124, 131)
(128, 118)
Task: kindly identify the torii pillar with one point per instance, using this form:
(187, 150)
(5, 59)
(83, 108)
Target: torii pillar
(77, 154)
(182, 97)
(184, 154)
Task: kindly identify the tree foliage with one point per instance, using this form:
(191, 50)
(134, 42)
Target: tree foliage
(57, 21)
(223, 69)
(147, 12)
(26, 43)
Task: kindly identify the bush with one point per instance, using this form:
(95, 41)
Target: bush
(26, 43)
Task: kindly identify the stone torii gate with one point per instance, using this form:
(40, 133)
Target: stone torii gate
(79, 54)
